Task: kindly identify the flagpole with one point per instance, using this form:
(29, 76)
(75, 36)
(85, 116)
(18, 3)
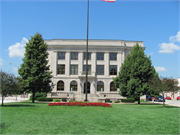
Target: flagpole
(87, 50)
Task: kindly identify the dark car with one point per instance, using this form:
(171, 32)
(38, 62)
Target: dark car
(160, 99)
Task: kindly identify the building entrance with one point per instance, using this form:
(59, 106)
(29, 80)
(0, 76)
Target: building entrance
(88, 87)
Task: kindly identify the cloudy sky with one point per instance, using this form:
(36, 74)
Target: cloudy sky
(154, 22)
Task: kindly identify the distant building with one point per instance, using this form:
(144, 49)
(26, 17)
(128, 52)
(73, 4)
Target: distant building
(172, 94)
(67, 60)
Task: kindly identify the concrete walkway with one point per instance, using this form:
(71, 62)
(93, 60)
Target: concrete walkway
(12, 99)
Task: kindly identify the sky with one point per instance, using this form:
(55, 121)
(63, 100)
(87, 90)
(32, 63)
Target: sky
(155, 22)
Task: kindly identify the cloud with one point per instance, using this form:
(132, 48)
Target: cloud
(160, 69)
(168, 47)
(175, 38)
(1, 62)
(18, 50)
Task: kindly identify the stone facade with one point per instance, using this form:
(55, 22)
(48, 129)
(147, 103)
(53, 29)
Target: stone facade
(106, 56)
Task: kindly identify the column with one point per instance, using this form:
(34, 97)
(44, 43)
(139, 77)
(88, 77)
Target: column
(67, 65)
(55, 62)
(81, 62)
(106, 59)
(94, 61)
(119, 59)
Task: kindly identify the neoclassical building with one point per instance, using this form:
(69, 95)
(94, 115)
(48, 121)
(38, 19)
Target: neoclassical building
(67, 60)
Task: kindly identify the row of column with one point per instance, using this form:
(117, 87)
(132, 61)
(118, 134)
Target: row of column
(80, 62)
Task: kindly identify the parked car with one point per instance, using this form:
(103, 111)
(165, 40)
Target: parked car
(178, 98)
(168, 98)
(148, 98)
(160, 99)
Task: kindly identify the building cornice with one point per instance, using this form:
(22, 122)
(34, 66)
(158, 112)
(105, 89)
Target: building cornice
(91, 42)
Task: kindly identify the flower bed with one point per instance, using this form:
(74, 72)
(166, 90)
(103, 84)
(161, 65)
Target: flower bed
(79, 104)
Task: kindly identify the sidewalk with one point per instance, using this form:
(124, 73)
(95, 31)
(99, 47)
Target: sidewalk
(12, 99)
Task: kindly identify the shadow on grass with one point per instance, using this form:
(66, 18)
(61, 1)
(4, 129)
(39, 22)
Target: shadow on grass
(17, 105)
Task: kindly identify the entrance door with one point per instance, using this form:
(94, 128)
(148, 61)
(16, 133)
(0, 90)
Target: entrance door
(88, 87)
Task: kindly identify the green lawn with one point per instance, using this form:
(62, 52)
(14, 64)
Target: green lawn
(39, 118)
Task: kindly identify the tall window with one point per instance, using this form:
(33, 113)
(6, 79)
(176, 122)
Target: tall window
(84, 67)
(100, 70)
(113, 56)
(73, 85)
(61, 69)
(74, 55)
(100, 85)
(61, 55)
(89, 56)
(100, 56)
(60, 85)
(113, 69)
(112, 87)
(74, 70)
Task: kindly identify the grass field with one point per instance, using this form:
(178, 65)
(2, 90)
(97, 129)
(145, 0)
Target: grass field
(39, 118)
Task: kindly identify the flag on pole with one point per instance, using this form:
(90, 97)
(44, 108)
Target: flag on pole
(109, 0)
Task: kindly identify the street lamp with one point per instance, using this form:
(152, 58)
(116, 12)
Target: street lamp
(17, 74)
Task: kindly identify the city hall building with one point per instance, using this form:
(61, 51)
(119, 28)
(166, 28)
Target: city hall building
(67, 60)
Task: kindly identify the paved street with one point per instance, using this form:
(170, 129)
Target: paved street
(171, 102)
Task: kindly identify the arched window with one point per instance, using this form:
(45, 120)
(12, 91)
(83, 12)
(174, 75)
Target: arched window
(100, 85)
(73, 85)
(112, 87)
(60, 85)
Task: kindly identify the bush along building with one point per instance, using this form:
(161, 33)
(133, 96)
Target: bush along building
(67, 60)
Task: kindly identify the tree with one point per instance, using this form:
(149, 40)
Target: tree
(134, 74)
(9, 84)
(34, 70)
(162, 85)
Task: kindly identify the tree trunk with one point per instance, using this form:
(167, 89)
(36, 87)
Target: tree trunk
(138, 100)
(163, 101)
(2, 100)
(33, 97)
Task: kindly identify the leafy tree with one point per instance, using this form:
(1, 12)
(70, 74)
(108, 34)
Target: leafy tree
(34, 70)
(163, 85)
(134, 74)
(9, 84)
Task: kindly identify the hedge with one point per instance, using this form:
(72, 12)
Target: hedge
(128, 100)
(56, 100)
(44, 99)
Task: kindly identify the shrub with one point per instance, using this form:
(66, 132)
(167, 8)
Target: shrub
(41, 99)
(56, 100)
(108, 100)
(116, 101)
(44, 99)
(128, 100)
(38, 95)
(64, 100)
(142, 100)
(49, 99)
